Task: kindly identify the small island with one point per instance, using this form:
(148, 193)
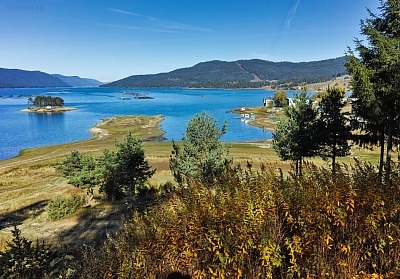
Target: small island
(46, 104)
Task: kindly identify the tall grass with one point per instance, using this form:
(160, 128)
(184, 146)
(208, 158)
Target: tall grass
(259, 224)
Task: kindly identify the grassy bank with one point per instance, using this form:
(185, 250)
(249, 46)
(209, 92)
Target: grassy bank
(29, 181)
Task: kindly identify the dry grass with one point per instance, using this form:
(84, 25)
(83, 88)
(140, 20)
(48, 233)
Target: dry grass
(343, 81)
(30, 180)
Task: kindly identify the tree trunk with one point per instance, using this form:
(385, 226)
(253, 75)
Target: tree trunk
(89, 197)
(389, 149)
(301, 166)
(382, 155)
(334, 156)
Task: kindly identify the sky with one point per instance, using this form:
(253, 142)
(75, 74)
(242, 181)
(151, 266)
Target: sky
(111, 39)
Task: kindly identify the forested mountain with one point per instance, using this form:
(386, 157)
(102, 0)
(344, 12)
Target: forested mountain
(78, 81)
(242, 73)
(14, 78)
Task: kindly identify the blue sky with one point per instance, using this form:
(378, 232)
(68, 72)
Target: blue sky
(110, 40)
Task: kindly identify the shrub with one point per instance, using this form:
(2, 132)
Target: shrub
(257, 224)
(64, 206)
(22, 259)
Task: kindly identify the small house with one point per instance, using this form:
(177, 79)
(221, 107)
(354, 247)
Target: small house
(269, 103)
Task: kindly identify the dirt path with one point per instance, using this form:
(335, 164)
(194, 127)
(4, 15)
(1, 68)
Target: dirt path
(255, 77)
(28, 161)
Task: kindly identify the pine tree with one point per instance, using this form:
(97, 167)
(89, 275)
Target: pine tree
(295, 137)
(126, 170)
(201, 156)
(376, 73)
(333, 127)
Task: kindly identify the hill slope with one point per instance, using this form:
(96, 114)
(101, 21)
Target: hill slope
(242, 73)
(15, 78)
(78, 81)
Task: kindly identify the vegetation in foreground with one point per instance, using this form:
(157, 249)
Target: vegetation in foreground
(250, 224)
(258, 224)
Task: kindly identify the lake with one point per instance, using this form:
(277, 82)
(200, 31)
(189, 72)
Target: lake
(25, 130)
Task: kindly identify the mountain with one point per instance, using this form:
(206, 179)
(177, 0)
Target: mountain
(15, 78)
(78, 81)
(239, 74)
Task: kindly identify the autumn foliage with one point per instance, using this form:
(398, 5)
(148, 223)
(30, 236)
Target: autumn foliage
(262, 224)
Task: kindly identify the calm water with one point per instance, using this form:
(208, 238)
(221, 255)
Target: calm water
(24, 130)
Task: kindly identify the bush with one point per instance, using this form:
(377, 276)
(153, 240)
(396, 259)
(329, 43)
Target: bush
(64, 206)
(22, 259)
(256, 224)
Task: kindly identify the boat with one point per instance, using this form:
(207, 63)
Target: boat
(247, 117)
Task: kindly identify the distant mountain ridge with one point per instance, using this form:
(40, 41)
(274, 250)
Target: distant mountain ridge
(78, 81)
(239, 74)
(16, 78)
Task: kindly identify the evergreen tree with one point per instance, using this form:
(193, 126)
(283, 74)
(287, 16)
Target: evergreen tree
(81, 171)
(201, 156)
(376, 73)
(126, 170)
(119, 173)
(295, 137)
(107, 166)
(334, 131)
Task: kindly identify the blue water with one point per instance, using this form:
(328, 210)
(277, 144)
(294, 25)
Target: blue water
(20, 130)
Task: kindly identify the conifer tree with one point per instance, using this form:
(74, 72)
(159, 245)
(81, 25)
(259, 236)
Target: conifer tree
(201, 156)
(80, 169)
(376, 72)
(334, 130)
(126, 170)
(295, 137)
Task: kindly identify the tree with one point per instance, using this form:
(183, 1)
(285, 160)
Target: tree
(280, 99)
(319, 95)
(376, 73)
(119, 173)
(126, 170)
(42, 101)
(81, 171)
(107, 167)
(334, 131)
(201, 156)
(30, 100)
(295, 136)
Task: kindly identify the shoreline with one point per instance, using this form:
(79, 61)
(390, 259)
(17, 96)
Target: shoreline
(104, 135)
(106, 132)
(45, 110)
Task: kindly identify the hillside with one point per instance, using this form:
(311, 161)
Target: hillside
(240, 74)
(15, 78)
(78, 81)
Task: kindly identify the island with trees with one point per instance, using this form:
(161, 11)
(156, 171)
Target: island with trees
(41, 104)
